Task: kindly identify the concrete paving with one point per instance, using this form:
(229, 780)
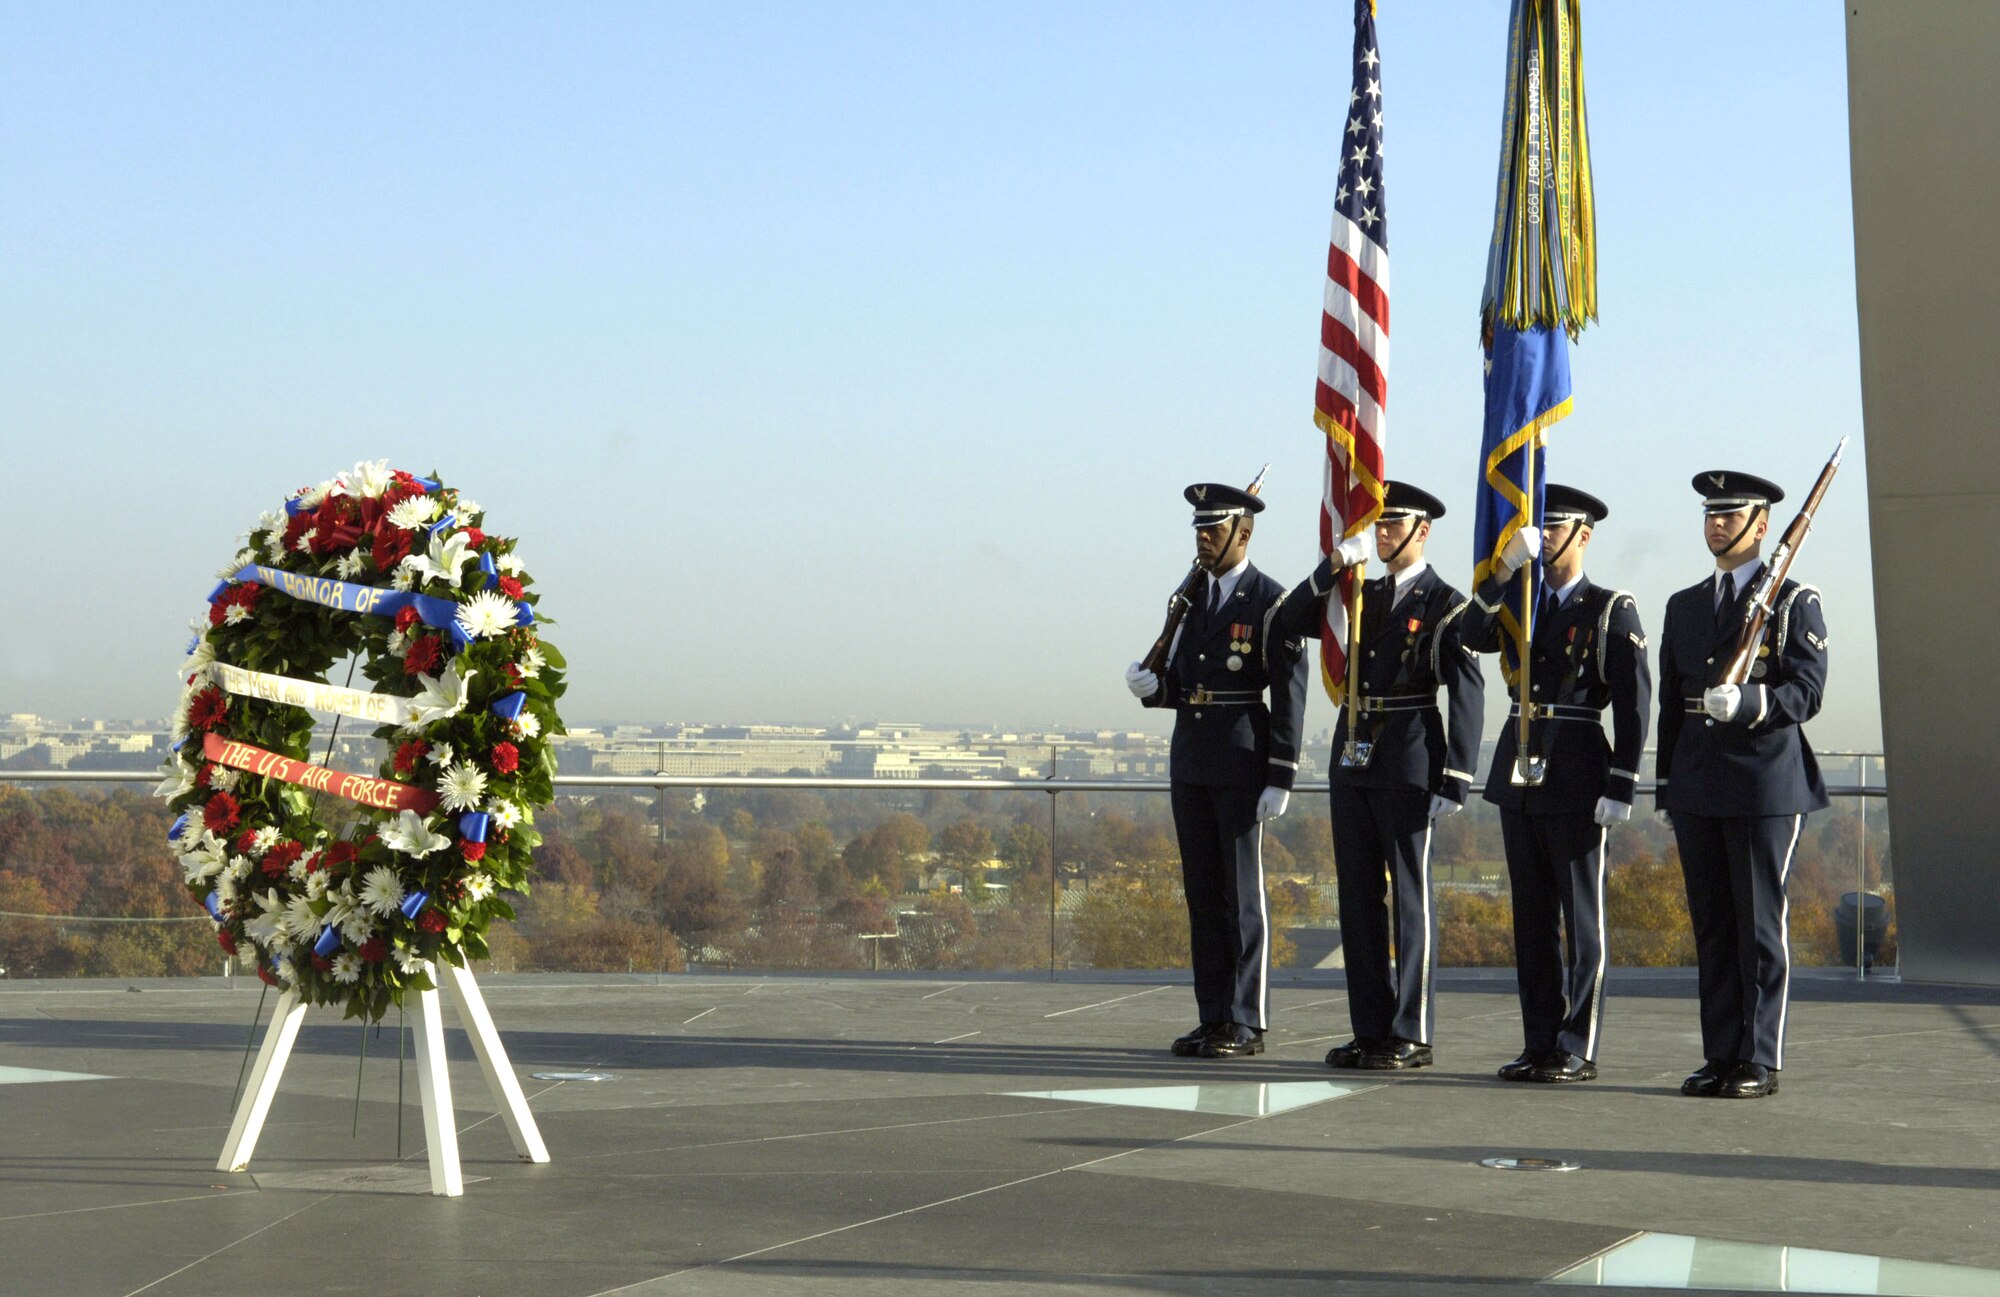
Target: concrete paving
(871, 1135)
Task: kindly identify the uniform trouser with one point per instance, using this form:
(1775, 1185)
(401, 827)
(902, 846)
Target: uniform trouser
(1222, 873)
(1555, 867)
(1382, 851)
(1736, 869)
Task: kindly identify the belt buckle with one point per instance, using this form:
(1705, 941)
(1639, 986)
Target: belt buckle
(1201, 695)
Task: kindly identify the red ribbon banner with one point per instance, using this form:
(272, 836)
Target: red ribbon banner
(384, 793)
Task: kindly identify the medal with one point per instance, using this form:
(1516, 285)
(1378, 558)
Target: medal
(1234, 663)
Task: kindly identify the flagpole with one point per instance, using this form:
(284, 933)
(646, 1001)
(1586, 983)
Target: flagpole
(1354, 652)
(1527, 768)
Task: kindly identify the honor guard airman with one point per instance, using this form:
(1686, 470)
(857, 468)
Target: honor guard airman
(1232, 764)
(1398, 767)
(1737, 779)
(1587, 667)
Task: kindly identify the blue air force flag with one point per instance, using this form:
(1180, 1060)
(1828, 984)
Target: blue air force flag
(1527, 391)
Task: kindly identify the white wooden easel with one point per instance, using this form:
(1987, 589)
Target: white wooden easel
(440, 1129)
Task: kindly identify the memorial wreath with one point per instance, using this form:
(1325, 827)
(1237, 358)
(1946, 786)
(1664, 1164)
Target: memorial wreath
(395, 572)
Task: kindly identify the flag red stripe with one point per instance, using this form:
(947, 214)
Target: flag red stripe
(1342, 270)
(1340, 340)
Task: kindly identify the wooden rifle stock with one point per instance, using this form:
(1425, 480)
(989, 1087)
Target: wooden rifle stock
(1737, 670)
(1182, 600)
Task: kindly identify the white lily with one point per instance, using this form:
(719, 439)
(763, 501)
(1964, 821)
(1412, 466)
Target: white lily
(409, 834)
(370, 478)
(266, 926)
(175, 780)
(441, 696)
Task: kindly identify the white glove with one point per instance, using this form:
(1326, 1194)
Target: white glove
(1722, 702)
(1271, 803)
(1524, 546)
(1609, 812)
(1142, 683)
(1664, 817)
(1352, 552)
(1442, 806)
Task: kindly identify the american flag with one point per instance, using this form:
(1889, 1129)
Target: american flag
(1349, 404)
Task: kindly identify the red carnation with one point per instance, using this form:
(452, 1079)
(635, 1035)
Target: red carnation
(474, 537)
(246, 840)
(221, 813)
(510, 587)
(202, 776)
(392, 545)
(407, 483)
(408, 754)
(340, 854)
(407, 618)
(208, 710)
(374, 950)
(322, 963)
(472, 850)
(268, 978)
(280, 857)
(430, 921)
(226, 939)
(506, 758)
(423, 655)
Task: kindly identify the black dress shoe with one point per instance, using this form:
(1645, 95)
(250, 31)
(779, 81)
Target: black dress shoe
(1519, 1069)
(1562, 1067)
(1706, 1081)
(1233, 1040)
(1394, 1055)
(1349, 1055)
(1190, 1045)
(1748, 1081)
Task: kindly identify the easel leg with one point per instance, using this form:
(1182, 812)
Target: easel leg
(440, 1128)
(507, 1096)
(256, 1102)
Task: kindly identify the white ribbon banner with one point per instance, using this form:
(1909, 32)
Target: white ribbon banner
(383, 709)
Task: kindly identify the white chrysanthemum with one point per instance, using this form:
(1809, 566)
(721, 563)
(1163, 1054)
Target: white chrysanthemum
(441, 696)
(348, 565)
(299, 921)
(405, 577)
(347, 967)
(312, 497)
(532, 662)
(244, 558)
(370, 478)
(316, 885)
(175, 781)
(382, 891)
(305, 541)
(297, 870)
(262, 841)
(439, 755)
(204, 859)
(467, 508)
(486, 614)
(201, 657)
(408, 961)
(505, 814)
(460, 786)
(274, 543)
(223, 779)
(510, 563)
(357, 928)
(267, 925)
(526, 725)
(235, 615)
(414, 512)
(411, 834)
(478, 886)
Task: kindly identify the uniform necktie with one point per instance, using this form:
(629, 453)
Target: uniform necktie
(1725, 600)
(1214, 598)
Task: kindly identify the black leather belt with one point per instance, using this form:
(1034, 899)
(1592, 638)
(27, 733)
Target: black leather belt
(1374, 704)
(1200, 697)
(1558, 712)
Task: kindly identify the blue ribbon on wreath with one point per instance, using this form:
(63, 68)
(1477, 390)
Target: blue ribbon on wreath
(329, 941)
(439, 614)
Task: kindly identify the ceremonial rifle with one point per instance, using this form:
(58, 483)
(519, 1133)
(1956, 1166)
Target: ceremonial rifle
(1737, 670)
(1182, 598)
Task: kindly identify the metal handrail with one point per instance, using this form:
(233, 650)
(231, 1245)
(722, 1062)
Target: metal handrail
(828, 782)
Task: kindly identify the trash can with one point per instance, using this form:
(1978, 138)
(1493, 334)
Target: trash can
(1868, 912)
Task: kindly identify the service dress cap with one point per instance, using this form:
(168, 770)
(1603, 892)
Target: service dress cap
(1726, 491)
(1215, 503)
(1401, 500)
(1567, 504)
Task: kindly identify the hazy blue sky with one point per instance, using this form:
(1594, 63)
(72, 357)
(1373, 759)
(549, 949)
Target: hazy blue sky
(848, 360)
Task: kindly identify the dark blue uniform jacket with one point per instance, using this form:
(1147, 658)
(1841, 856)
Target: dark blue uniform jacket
(1406, 654)
(1586, 661)
(1760, 763)
(1231, 739)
